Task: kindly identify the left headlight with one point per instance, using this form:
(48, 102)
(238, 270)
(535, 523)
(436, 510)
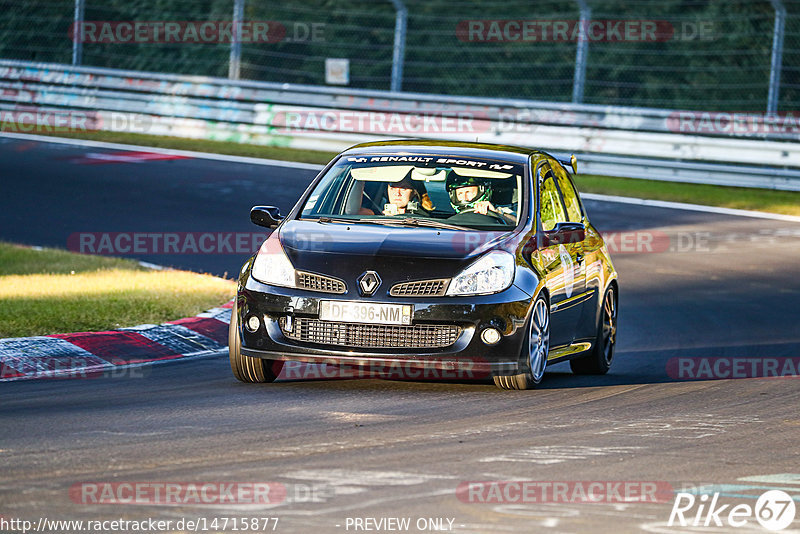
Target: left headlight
(272, 266)
(492, 273)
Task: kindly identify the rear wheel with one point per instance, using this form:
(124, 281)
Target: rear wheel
(598, 361)
(535, 351)
(246, 368)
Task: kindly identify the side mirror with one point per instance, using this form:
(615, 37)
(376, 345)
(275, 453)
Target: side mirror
(573, 162)
(266, 216)
(565, 233)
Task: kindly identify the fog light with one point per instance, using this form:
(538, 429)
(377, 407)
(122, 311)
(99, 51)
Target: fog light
(252, 323)
(490, 336)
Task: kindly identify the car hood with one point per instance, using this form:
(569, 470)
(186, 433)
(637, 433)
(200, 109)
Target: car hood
(377, 240)
(408, 253)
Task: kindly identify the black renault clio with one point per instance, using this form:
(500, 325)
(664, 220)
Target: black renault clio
(430, 256)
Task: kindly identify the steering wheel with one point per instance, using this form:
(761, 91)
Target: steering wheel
(473, 216)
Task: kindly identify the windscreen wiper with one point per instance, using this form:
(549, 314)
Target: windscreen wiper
(405, 221)
(429, 223)
(340, 220)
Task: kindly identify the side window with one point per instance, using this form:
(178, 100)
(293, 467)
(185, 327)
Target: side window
(549, 201)
(325, 198)
(569, 195)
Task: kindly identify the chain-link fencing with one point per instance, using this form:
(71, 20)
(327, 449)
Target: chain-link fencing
(674, 54)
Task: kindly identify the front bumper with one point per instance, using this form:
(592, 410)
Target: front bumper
(505, 311)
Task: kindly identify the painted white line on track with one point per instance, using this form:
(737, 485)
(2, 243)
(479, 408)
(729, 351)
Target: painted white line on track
(153, 266)
(315, 167)
(690, 207)
(169, 151)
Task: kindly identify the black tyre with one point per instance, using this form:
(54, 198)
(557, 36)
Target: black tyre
(598, 361)
(246, 368)
(534, 357)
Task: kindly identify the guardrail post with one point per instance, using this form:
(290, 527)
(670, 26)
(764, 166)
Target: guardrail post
(234, 64)
(77, 34)
(777, 57)
(398, 55)
(582, 50)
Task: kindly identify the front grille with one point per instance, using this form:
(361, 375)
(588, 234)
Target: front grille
(421, 336)
(321, 283)
(421, 288)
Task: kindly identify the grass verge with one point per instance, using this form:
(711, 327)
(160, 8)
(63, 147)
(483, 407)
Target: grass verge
(744, 198)
(202, 145)
(53, 291)
(786, 202)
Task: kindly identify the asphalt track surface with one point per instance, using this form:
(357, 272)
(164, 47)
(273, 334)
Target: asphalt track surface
(724, 287)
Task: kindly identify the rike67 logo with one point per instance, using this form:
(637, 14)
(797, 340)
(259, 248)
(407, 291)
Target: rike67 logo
(774, 510)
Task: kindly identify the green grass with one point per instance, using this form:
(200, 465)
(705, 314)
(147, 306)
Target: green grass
(16, 259)
(786, 202)
(202, 145)
(52, 291)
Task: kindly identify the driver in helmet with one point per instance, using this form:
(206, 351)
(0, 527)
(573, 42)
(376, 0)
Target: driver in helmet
(468, 193)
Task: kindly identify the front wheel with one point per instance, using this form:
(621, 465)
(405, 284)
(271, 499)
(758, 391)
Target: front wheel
(247, 368)
(598, 361)
(535, 350)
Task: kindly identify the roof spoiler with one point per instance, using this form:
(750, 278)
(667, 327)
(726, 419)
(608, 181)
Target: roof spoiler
(572, 162)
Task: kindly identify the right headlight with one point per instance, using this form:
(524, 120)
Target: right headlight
(271, 265)
(492, 273)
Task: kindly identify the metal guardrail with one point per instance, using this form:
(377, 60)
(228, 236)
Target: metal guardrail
(635, 142)
(500, 109)
(690, 172)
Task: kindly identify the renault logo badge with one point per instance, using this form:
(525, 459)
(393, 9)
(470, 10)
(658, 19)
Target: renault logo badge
(368, 283)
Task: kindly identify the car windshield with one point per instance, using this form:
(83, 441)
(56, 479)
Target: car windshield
(420, 191)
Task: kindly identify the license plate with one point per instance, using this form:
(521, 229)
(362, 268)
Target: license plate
(365, 312)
